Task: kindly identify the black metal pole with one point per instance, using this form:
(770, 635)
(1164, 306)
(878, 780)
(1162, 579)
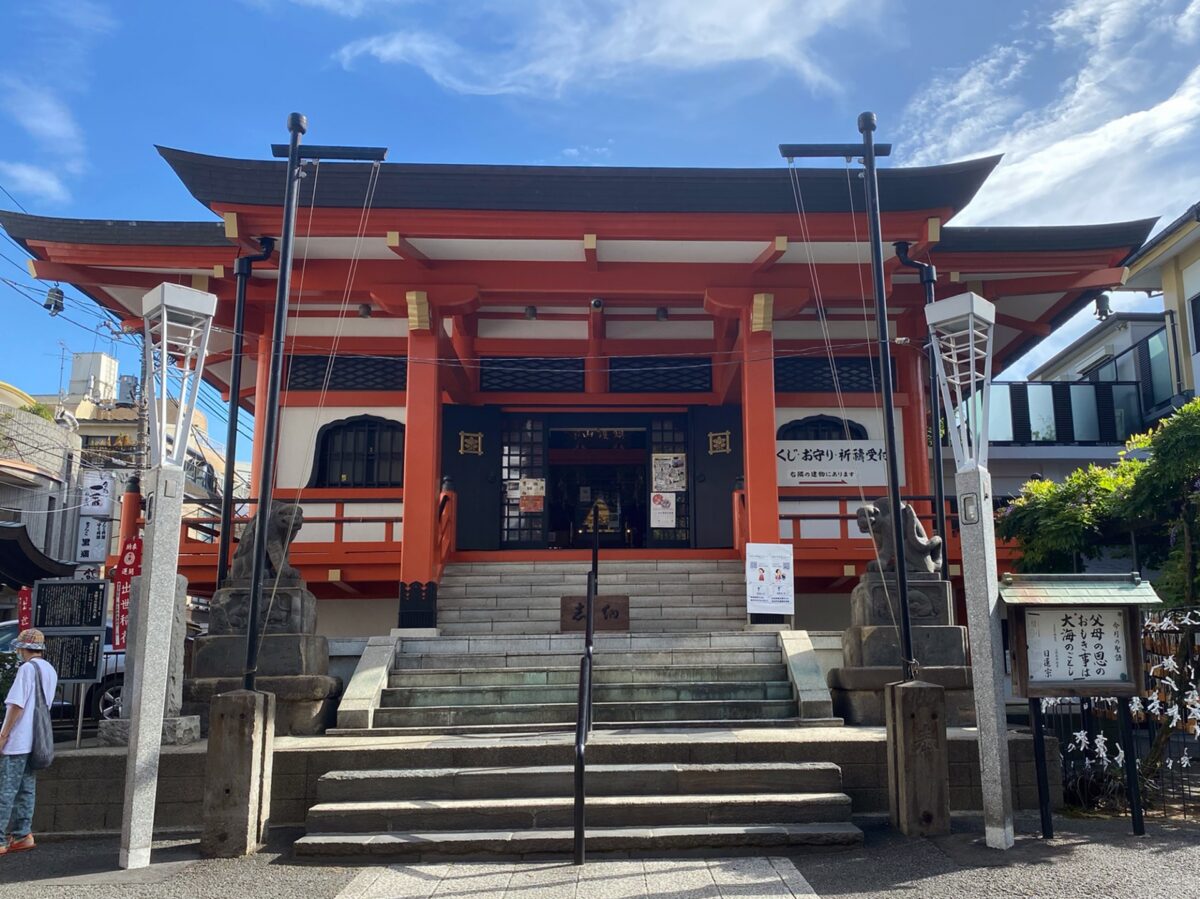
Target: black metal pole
(928, 282)
(1039, 765)
(866, 127)
(242, 266)
(297, 125)
(1132, 785)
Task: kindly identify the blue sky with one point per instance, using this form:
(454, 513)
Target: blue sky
(1096, 103)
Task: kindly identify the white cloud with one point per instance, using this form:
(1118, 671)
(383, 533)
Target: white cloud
(1113, 140)
(40, 112)
(65, 32)
(28, 180)
(555, 45)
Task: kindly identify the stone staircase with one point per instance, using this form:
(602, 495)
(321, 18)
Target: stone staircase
(481, 598)
(514, 683)
(664, 804)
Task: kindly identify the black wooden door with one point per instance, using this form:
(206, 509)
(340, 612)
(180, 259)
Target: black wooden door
(471, 459)
(716, 433)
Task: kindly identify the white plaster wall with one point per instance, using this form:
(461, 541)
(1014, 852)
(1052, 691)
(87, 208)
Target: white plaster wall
(298, 436)
(313, 531)
(368, 532)
(350, 327)
(653, 329)
(1191, 287)
(810, 329)
(871, 419)
(533, 330)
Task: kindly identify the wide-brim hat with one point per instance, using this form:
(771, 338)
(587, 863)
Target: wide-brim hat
(32, 639)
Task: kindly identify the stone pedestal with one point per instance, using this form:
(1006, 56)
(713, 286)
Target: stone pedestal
(918, 759)
(237, 778)
(293, 663)
(178, 731)
(871, 656)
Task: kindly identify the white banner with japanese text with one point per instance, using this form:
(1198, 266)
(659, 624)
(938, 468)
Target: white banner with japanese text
(855, 462)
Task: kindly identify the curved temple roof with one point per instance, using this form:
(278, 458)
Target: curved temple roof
(221, 180)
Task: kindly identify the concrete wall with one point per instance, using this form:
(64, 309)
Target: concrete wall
(353, 617)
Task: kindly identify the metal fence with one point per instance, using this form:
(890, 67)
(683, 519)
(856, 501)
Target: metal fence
(1166, 731)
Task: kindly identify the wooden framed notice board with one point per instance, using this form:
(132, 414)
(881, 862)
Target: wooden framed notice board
(1076, 635)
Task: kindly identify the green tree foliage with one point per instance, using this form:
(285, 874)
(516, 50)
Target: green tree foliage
(1056, 524)
(41, 410)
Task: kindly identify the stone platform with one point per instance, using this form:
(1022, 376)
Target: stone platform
(82, 790)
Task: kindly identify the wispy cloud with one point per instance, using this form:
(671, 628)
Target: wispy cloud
(1114, 140)
(558, 45)
(25, 180)
(65, 31)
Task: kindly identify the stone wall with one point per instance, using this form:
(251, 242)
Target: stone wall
(83, 790)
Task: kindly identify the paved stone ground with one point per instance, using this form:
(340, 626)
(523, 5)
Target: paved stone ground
(1086, 858)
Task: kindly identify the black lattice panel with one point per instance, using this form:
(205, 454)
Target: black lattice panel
(528, 374)
(649, 374)
(812, 374)
(348, 373)
(522, 455)
(669, 435)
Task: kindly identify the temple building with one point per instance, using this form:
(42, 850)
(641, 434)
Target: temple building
(477, 356)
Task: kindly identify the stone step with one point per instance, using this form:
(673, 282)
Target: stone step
(565, 659)
(569, 674)
(641, 624)
(641, 589)
(604, 642)
(607, 566)
(606, 578)
(530, 694)
(507, 731)
(410, 845)
(527, 813)
(605, 712)
(558, 781)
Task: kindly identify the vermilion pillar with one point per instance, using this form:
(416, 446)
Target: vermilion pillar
(422, 467)
(758, 421)
(262, 370)
(912, 379)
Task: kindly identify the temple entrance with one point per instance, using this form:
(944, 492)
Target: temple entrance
(603, 468)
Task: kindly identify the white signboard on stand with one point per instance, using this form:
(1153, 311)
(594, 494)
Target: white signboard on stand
(97, 490)
(853, 462)
(770, 586)
(1070, 645)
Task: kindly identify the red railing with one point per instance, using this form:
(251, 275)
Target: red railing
(741, 528)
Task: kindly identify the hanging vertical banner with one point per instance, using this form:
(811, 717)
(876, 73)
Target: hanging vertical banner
(97, 499)
(24, 608)
(770, 587)
(129, 566)
(93, 540)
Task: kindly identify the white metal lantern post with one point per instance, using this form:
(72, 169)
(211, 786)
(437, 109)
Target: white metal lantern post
(961, 329)
(177, 322)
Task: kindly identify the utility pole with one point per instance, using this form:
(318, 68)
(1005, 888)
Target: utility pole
(867, 152)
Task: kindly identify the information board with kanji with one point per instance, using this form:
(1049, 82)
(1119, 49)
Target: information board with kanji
(1077, 645)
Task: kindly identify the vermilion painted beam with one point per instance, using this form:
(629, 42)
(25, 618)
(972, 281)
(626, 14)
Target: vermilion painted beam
(1041, 329)
(1094, 280)
(770, 254)
(543, 225)
(403, 248)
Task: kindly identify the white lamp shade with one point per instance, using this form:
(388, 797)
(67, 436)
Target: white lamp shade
(180, 300)
(952, 313)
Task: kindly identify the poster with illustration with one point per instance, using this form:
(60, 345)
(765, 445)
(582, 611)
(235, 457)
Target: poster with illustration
(770, 586)
(662, 510)
(533, 494)
(668, 472)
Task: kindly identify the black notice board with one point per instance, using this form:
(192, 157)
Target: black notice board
(70, 603)
(78, 658)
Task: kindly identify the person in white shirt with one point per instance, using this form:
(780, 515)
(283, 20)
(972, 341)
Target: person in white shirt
(18, 784)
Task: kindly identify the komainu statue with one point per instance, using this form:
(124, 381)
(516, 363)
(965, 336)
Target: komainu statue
(283, 526)
(921, 553)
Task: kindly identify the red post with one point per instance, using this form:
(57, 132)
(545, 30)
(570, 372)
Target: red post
(422, 448)
(914, 416)
(758, 422)
(262, 371)
(131, 511)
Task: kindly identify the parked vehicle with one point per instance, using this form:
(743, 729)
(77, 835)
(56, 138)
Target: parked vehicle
(103, 699)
